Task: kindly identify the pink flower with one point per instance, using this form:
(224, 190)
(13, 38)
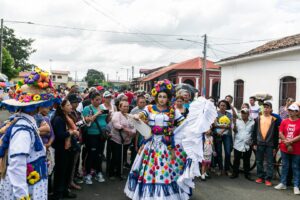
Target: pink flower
(167, 82)
(157, 88)
(157, 129)
(29, 169)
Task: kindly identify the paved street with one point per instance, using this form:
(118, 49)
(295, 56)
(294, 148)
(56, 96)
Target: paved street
(214, 189)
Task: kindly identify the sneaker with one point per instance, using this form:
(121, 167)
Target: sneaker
(280, 186)
(259, 180)
(99, 178)
(88, 179)
(207, 175)
(296, 191)
(78, 180)
(268, 183)
(218, 173)
(202, 177)
(228, 173)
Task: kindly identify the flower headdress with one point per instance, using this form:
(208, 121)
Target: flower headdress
(34, 91)
(163, 86)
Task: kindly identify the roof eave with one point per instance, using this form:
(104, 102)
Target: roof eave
(255, 56)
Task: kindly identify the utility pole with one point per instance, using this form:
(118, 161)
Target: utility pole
(132, 72)
(127, 74)
(1, 44)
(106, 77)
(204, 67)
(75, 77)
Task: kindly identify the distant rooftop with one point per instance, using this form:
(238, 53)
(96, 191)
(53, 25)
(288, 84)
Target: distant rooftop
(289, 41)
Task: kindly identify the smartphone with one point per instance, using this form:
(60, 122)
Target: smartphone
(105, 111)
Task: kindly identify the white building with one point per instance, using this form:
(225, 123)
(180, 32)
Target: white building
(272, 68)
(60, 77)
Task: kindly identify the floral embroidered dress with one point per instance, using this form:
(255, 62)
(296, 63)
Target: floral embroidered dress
(26, 173)
(154, 172)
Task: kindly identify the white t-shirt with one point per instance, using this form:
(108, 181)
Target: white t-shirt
(254, 111)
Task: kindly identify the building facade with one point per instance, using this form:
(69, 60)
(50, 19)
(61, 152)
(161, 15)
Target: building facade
(273, 68)
(60, 78)
(190, 72)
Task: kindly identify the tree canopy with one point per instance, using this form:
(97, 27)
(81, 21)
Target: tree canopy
(8, 67)
(94, 77)
(19, 49)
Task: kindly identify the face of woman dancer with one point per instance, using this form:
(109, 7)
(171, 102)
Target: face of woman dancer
(67, 108)
(124, 106)
(162, 99)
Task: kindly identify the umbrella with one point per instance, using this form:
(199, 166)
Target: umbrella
(263, 96)
(187, 87)
(3, 77)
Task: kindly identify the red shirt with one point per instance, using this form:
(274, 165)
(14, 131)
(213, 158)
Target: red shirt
(290, 129)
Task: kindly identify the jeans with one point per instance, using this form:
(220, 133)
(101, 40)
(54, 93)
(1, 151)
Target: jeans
(226, 140)
(261, 153)
(285, 168)
(246, 161)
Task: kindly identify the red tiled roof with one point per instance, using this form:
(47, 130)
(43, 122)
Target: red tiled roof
(192, 64)
(282, 43)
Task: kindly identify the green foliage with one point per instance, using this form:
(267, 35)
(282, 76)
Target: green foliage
(19, 49)
(94, 77)
(8, 65)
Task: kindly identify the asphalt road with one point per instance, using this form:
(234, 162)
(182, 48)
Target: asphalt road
(215, 188)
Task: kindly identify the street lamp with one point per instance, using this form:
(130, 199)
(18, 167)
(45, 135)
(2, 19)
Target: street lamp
(203, 62)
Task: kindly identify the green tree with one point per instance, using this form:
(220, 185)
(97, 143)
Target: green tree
(8, 67)
(94, 77)
(19, 49)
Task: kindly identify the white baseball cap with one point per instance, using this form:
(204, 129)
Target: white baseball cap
(293, 107)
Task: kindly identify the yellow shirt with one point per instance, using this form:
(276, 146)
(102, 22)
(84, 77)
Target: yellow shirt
(265, 123)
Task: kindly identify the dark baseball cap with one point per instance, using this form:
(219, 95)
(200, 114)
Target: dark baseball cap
(73, 98)
(267, 103)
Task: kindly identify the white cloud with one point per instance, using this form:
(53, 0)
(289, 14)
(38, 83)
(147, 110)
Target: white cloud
(223, 21)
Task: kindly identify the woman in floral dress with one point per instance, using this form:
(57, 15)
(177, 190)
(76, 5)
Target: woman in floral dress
(162, 167)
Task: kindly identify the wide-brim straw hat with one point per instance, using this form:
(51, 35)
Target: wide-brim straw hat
(29, 97)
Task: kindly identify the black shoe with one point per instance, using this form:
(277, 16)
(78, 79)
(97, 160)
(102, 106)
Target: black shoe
(248, 177)
(234, 176)
(70, 195)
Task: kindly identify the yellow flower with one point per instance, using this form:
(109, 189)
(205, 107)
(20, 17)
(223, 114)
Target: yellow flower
(169, 86)
(154, 92)
(25, 198)
(33, 177)
(224, 120)
(37, 70)
(36, 97)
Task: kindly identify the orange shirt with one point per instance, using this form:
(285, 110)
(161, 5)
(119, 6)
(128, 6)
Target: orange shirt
(265, 123)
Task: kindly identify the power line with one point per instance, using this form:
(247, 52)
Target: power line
(239, 40)
(116, 21)
(244, 42)
(97, 30)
